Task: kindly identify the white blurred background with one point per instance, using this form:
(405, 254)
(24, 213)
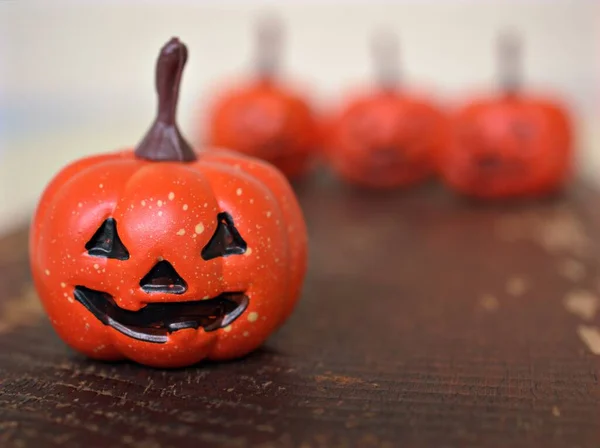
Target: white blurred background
(76, 77)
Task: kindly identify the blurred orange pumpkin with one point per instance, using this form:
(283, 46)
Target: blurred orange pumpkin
(511, 144)
(264, 118)
(385, 138)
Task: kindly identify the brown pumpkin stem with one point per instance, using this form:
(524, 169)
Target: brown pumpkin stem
(269, 31)
(509, 62)
(385, 52)
(163, 141)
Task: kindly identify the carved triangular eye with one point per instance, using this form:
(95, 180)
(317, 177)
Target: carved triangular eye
(106, 242)
(226, 240)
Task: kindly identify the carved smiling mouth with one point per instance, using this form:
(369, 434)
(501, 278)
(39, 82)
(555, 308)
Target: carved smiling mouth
(490, 166)
(390, 161)
(155, 321)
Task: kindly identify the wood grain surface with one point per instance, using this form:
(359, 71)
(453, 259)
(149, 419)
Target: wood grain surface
(426, 320)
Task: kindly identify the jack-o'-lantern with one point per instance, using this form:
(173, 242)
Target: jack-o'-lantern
(513, 144)
(386, 138)
(166, 256)
(265, 118)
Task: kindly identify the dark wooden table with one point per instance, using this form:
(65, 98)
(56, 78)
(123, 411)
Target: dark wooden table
(426, 320)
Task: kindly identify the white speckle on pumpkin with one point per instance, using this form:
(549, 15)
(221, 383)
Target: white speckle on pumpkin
(96, 266)
(251, 200)
(205, 297)
(239, 191)
(253, 316)
(159, 203)
(181, 232)
(63, 285)
(70, 299)
(185, 207)
(199, 228)
(248, 251)
(47, 272)
(269, 214)
(159, 258)
(80, 205)
(101, 186)
(171, 196)
(227, 328)
(246, 334)
(205, 204)
(143, 203)
(160, 213)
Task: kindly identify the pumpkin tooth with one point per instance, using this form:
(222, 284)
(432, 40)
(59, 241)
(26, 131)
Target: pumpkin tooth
(182, 325)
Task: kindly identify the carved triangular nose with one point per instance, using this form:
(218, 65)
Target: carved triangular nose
(489, 161)
(386, 154)
(163, 278)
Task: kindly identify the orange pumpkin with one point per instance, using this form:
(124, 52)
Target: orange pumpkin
(509, 145)
(386, 138)
(264, 118)
(164, 256)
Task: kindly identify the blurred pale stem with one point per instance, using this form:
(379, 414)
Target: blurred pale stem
(385, 51)
(509, 62)
(269, 37)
